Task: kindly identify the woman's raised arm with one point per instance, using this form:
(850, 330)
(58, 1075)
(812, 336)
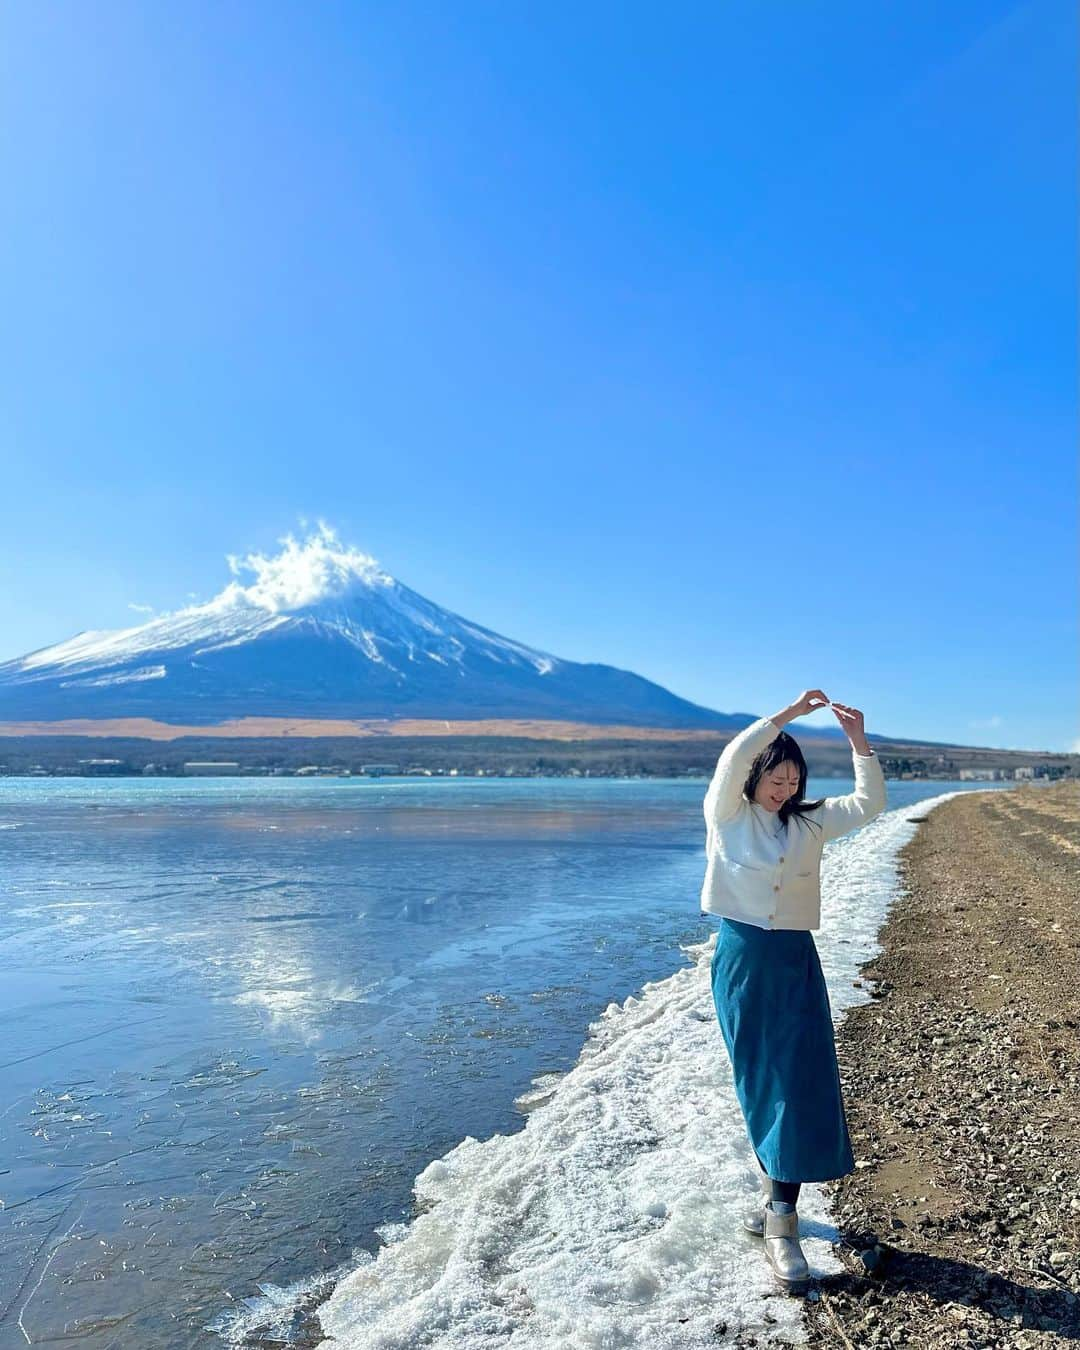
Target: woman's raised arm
(841, 814)
(724, 795)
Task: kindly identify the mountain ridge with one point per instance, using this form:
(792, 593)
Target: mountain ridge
(323, 632)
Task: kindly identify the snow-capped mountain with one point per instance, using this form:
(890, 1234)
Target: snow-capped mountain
(323, 631)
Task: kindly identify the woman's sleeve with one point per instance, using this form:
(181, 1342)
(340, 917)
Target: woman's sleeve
(841, 814)
(724, 795)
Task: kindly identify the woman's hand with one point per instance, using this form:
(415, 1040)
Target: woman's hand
(808, 701)
(851, 719)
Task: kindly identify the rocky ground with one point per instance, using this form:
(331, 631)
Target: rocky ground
(961, 1224)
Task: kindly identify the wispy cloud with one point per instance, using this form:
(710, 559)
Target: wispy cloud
(987, 723)
(315, 567)
(306, 571)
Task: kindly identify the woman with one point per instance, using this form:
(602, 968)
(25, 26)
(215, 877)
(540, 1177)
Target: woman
(762, 876)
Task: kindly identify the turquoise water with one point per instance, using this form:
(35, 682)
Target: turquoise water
(239, 1016)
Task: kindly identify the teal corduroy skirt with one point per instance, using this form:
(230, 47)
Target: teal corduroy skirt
(773, 1008)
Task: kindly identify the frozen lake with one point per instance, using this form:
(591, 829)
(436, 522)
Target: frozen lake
(240, 1017)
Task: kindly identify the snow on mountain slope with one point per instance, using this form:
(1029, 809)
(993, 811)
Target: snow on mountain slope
(322, 630)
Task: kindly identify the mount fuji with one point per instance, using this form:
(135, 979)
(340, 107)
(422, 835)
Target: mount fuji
(323, 632)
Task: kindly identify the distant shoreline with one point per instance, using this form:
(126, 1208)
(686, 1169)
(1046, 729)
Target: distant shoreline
(505, 748)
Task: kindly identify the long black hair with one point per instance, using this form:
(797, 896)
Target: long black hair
(784, 747)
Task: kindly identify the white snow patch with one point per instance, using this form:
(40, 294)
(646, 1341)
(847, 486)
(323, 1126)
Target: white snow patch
(126, 677)
(612, 1218)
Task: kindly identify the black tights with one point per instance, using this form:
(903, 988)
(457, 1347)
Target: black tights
(781, 1190)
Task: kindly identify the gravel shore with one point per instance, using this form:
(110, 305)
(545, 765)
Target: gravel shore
(961, 1224)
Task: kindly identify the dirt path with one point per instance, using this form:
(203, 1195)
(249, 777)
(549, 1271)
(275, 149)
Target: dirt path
(962, 1089)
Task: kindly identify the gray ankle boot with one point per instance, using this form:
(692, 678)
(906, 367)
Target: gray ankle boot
(753, 1219)
(782, 1250)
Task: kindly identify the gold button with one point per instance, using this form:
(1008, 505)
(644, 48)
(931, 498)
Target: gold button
(776, 888)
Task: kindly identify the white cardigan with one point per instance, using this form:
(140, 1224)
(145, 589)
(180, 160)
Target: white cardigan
(759, 871)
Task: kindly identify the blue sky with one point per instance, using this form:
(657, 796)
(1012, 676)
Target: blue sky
(733, 344)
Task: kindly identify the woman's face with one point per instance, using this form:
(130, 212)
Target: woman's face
(775, 786)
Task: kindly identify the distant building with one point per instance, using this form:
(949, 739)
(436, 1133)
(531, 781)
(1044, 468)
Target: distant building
(1023, 771)
(977, 775)
(376, 769)
(97, 767)
(210, 768)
